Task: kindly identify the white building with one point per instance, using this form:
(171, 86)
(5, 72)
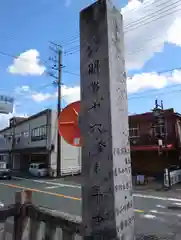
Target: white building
(34, 139)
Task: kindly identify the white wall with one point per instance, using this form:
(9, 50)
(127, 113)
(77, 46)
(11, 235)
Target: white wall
(71, 156)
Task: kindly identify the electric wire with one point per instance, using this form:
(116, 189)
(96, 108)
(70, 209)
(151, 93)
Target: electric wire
(153, 13)
(143, 23)
(136, 23)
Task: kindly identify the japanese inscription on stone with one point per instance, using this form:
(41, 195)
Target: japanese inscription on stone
(106, 164)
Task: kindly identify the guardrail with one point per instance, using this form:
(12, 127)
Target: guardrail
(28, 218)
(175, 177)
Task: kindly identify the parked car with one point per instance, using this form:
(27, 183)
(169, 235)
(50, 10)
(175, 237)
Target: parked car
(38, 169)
(5, 172)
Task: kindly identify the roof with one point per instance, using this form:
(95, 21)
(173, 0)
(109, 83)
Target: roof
(46, 111)
(149, 115)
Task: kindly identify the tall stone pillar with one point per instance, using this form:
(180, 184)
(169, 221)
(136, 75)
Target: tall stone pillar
(107, 202)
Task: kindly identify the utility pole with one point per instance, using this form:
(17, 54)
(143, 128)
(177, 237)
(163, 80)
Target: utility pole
(13, 142)
(158, 113)
(57, 66)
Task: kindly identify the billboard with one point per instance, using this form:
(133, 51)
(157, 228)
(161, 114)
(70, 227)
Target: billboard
(6, 104)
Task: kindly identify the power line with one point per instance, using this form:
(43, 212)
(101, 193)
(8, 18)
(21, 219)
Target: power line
(25, 93)
(71, 49)
(154, 90)
(157, 72)
(139, 23)
(70, 39)
(76, 74)
(71, 73)
(144, 5)
(132, 76)
(137, 95)
(155, 94)
(143, 23)
(153, 13)
(75, 38)
(75, 49)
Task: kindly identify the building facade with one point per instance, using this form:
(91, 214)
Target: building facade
(144, 135)
(34, 139)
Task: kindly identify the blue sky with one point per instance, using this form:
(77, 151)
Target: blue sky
(150, 48)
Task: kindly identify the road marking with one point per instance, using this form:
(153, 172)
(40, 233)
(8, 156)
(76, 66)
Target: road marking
(149, 216)
(139, 211)
(51, 193)
(40, 191)
(48, 182)
(166, 213)
(178, 204)
(62, 185)
(157, 198)
(160, 206)
(52, 187)
(78, 186)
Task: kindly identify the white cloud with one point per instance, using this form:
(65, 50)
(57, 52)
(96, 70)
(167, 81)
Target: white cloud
(147, 26)
(145, 30)
(22, 90)
(146, 81)
(139, 82)
(69, 94)
(39, 97)
(27, 63)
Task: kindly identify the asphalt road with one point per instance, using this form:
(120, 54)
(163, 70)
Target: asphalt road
(153, 215)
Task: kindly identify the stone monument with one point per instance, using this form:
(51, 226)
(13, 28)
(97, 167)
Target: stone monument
(107, 201)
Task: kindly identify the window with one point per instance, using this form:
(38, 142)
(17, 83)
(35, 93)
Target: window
(134, 132)
(39, 133)
(160, 130)
(42, 166)
(25, 134)
(3, 165)
(2, 158)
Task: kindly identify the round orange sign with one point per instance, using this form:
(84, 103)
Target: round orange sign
(68, 124)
